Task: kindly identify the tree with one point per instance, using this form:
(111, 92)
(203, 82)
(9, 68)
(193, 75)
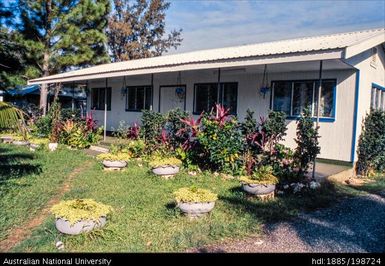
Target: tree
(62, 34)
(136, 29)
(307, 143)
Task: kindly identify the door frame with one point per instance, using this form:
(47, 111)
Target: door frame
(167, 86)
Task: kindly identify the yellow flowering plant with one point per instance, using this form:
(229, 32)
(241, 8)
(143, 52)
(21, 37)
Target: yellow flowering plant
(80, 209)
(194, 194)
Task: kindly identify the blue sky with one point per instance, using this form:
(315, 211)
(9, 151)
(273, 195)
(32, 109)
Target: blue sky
(220, 23)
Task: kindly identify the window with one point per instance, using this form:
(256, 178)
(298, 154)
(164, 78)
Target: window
(377, 100)
(98, 97)
(207, 95)
(138, 98)
(292, 97)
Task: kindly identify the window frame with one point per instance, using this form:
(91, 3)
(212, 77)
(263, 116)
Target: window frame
(109, 101)
(379, 97)
(144, 98)
(219, 95)
(332, 118)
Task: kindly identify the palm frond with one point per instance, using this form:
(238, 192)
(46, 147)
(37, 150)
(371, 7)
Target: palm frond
(10, 116)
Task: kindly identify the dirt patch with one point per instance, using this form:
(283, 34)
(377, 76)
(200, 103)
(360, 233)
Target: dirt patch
(357, 182)
(16, 235)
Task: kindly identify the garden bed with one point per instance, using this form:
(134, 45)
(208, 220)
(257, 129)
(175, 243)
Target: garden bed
(142, 224)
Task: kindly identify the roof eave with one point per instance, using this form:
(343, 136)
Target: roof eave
(226, 63)
(360, 47)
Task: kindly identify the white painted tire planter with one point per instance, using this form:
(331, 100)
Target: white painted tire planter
(52, 146)
(166, 170)
(258, 189)
(196, 209)
(114, 164)
(6, 139)
(33, 147)
(20, 143)
(65, 227)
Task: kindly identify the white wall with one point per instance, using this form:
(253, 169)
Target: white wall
(368, 74)
(336, 137)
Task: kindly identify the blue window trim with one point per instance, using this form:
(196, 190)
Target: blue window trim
(331, 119)
(375, 85)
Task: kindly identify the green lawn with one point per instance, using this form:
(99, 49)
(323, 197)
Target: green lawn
(29, 179)
(145, 217)
(377, 186)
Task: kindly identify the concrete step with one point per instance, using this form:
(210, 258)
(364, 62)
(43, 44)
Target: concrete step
(99, 148)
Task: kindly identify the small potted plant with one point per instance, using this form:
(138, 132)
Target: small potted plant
(166, 167)
(6, 139)
(195, 202)
(77, 216)
(261, 182)
(114, 161)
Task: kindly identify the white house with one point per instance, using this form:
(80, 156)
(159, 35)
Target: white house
(351, 66)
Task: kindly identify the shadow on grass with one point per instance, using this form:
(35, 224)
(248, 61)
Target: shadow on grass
(352, 225)
(15, 164)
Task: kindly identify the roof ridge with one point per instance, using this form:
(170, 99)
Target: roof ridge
(260, 43)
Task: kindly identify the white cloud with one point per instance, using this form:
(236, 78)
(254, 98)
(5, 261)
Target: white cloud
(210, 24)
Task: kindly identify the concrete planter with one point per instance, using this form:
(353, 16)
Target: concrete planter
(258, 189)
(196, 209)
(52, 146)
(33, 147)
(65, 227)
(6, 139)
(114, 164)
(20, 143)
(166, 170)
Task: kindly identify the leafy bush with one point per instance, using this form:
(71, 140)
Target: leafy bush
(68, 113)
(43, 126)
(80, 133)
(125, 131)
(194, 194)
(249, 125)
(152, 125)
(56, 126)
(371, 144)
(80, 209)
(119, 156)
(307, 143)
(221, 141)
(174, 126)
(263, 175)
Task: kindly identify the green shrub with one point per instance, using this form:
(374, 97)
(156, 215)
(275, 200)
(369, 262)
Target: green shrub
(43, 126)
(80, 209)
(152, 125)
(78, 135)
(371, 144)
(221, 145)
(263, 175)
(249, 125)
(174, 126)
(194, 194)
(307, 143)
(68, 113)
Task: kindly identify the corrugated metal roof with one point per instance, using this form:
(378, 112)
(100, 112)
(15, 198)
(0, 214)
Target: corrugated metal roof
(308, 44)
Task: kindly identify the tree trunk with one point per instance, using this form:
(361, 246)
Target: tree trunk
(57, 90)
(44, 87)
